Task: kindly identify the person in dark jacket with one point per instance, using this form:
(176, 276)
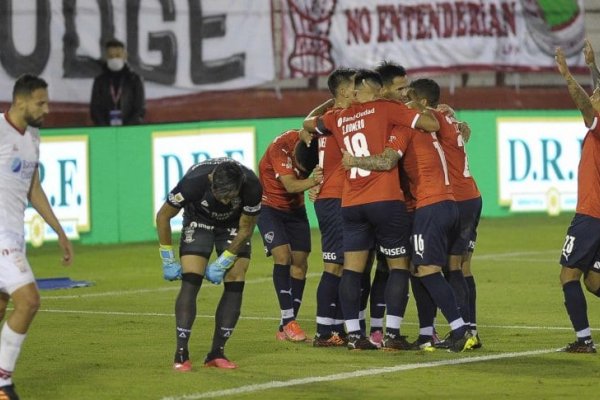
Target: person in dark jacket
(118, 92)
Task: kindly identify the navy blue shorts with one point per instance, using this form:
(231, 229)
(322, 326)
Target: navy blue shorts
(279, 227)
(582, 244)
(385, 223)
(329, 215)
(199, 238)
(469, 212)
(433, 227)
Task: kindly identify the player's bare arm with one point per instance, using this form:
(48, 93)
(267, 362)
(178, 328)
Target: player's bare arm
(40, 203)
(463, 127)
(590, 60)
(246, 227)
(295, 185)
(427, 121)
(163, 223)
(578, 94)
(321, 108)
(309, 130)
(384, 161)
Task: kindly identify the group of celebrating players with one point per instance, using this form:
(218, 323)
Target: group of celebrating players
(385, 165)
(391, 181)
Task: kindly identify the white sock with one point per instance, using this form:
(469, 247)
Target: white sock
(10, 347)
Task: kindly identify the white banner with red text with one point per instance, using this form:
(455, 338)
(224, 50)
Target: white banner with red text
(429, 36)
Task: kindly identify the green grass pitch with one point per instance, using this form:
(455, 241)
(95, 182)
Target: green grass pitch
(115, 340)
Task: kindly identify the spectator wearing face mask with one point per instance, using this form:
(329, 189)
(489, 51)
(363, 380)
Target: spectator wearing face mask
(118, 92)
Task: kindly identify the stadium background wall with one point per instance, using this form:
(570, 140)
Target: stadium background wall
(120, 167)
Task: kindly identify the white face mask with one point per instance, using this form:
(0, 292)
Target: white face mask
(115, 64)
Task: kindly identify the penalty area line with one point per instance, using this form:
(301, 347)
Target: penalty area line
(354, 374)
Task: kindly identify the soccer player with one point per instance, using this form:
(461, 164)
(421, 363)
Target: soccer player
(581, 250)
(20, 183)
(395, 83)
(221, 200)
(468, 201)
(284, 225)
(372, 207)
(436, 214)
(328, 200)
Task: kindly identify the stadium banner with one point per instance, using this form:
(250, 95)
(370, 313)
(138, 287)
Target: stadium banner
(131, 168)
(174, 152)
(538, 161)
(178, 46)
(429, 36)
(64, 174)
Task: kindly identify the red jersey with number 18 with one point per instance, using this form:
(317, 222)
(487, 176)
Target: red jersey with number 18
(364, 129)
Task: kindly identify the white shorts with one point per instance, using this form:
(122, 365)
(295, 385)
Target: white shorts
(15, 270)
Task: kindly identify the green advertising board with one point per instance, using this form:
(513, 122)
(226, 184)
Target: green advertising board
(130, 168)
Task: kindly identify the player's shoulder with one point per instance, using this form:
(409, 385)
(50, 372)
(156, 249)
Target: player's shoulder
(249, 174)
(388, 103)
(291, 135)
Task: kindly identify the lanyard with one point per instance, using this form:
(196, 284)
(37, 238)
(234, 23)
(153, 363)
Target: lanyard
(116, 96)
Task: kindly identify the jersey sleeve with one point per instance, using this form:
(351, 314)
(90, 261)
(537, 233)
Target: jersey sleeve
(187, 190)
(326, 123)
(280, 154)
(399, 140)
(400, 114)
(251, 195)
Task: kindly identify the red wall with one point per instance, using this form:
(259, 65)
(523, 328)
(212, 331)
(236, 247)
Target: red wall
(265, 104)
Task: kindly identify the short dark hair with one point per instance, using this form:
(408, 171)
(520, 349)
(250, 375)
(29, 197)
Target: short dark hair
(113, 43)
(427, 89)
(337, 77)
(390, 70)
(368, 75)
(26, 84)
(307, 158)
(227, 177)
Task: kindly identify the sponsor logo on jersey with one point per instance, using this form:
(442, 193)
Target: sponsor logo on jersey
(200, 225)
(204, 203)
(597, 266)
(7, 252)
(354, 117)
(397, 251)
(329, 256)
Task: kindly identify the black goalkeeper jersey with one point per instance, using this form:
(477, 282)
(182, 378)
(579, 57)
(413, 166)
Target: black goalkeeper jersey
(193, 194)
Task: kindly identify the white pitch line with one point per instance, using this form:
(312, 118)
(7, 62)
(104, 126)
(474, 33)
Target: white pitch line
(149, 290)
(477, 256)
(262, 318)
(348, 375)
(262, 280)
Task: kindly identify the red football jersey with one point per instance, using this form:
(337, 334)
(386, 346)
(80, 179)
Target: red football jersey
(363, 129)
(463, 184)
(588, 179)
(334, 174)
(278, 161)
(424, 163)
